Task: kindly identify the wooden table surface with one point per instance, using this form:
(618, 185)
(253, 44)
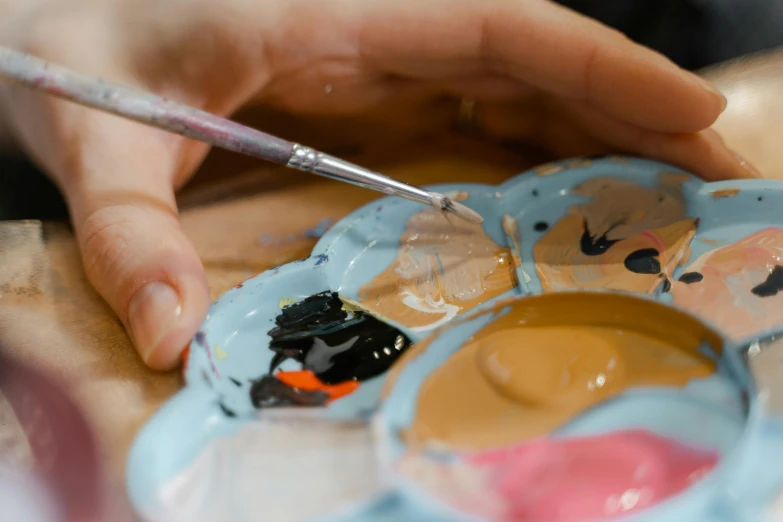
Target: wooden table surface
(51, 318)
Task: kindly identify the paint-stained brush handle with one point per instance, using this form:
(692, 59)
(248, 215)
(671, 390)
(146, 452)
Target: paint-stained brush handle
(141, 106)
(149, 109)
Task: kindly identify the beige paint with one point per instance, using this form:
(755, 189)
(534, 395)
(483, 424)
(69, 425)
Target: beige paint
(443, 268)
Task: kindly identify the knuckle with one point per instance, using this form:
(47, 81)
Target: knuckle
(105, 238)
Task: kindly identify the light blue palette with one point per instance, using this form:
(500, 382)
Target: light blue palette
(232, 349)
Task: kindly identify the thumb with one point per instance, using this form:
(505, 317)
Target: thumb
(119, 189)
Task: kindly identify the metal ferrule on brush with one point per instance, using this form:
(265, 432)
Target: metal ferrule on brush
(309, 160)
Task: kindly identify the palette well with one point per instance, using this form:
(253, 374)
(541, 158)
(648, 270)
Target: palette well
(307, 385)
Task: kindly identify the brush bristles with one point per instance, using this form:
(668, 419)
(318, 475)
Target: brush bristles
(460, 210)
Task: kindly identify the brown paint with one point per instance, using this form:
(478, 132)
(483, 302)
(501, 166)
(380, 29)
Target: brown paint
(725, 193)
(443, 268)
(629, 217)
(551, 357)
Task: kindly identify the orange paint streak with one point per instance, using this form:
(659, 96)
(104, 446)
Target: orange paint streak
(307, 381)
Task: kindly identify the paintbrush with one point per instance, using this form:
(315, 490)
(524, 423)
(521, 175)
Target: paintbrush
(149, 109)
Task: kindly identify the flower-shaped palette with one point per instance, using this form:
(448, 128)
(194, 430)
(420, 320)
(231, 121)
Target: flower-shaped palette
(282, 418)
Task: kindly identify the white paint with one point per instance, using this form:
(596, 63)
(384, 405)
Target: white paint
(319, 357)
(428, 305)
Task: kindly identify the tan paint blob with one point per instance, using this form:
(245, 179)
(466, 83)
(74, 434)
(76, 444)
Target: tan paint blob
(548, 169)
(725, 193)
(729, 273)
(443, 268)
(511, 230)
(531, 370)
(631, 216)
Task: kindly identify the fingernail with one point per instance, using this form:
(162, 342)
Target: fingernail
(706, 84)
(747, 166)
(153, 312)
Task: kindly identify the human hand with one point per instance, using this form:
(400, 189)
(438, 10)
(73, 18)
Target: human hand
(541, 74)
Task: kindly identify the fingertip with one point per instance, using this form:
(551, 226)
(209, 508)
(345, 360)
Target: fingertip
(163, 317)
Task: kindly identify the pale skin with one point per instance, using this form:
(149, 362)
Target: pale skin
(539, 73)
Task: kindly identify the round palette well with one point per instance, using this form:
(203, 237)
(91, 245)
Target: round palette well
(462, 423)
(289, 366)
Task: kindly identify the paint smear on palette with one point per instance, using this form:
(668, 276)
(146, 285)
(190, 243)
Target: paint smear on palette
(627, 237)
(565, 480)
(737, 286)
(315, 233)
(443, 268)
(502, 388)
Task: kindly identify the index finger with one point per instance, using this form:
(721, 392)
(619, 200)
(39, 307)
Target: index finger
(542, 44)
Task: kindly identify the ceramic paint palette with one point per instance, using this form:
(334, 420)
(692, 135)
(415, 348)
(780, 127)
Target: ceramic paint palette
(285, 377)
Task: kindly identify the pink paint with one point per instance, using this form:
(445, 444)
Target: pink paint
(589, 478)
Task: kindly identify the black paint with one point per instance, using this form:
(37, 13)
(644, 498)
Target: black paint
(235, 381)
(335, 346)
(643, 261)
(594, 246)
(772, 285)
(271, 392)
(690, 278)
(226, 411)
(667, 286)
(300, 320)
(541, 226)
(759, 198)
(535, 193)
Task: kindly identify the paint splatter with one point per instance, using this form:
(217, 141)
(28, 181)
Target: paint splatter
(725, 193)
(772, 285)
(643, 261)
(690, 278)
(591, 245)
(541, 226)
(285, 301)
(228, 412)
(315, 232)
(201, 339)
(549, 169)
(320, 229)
